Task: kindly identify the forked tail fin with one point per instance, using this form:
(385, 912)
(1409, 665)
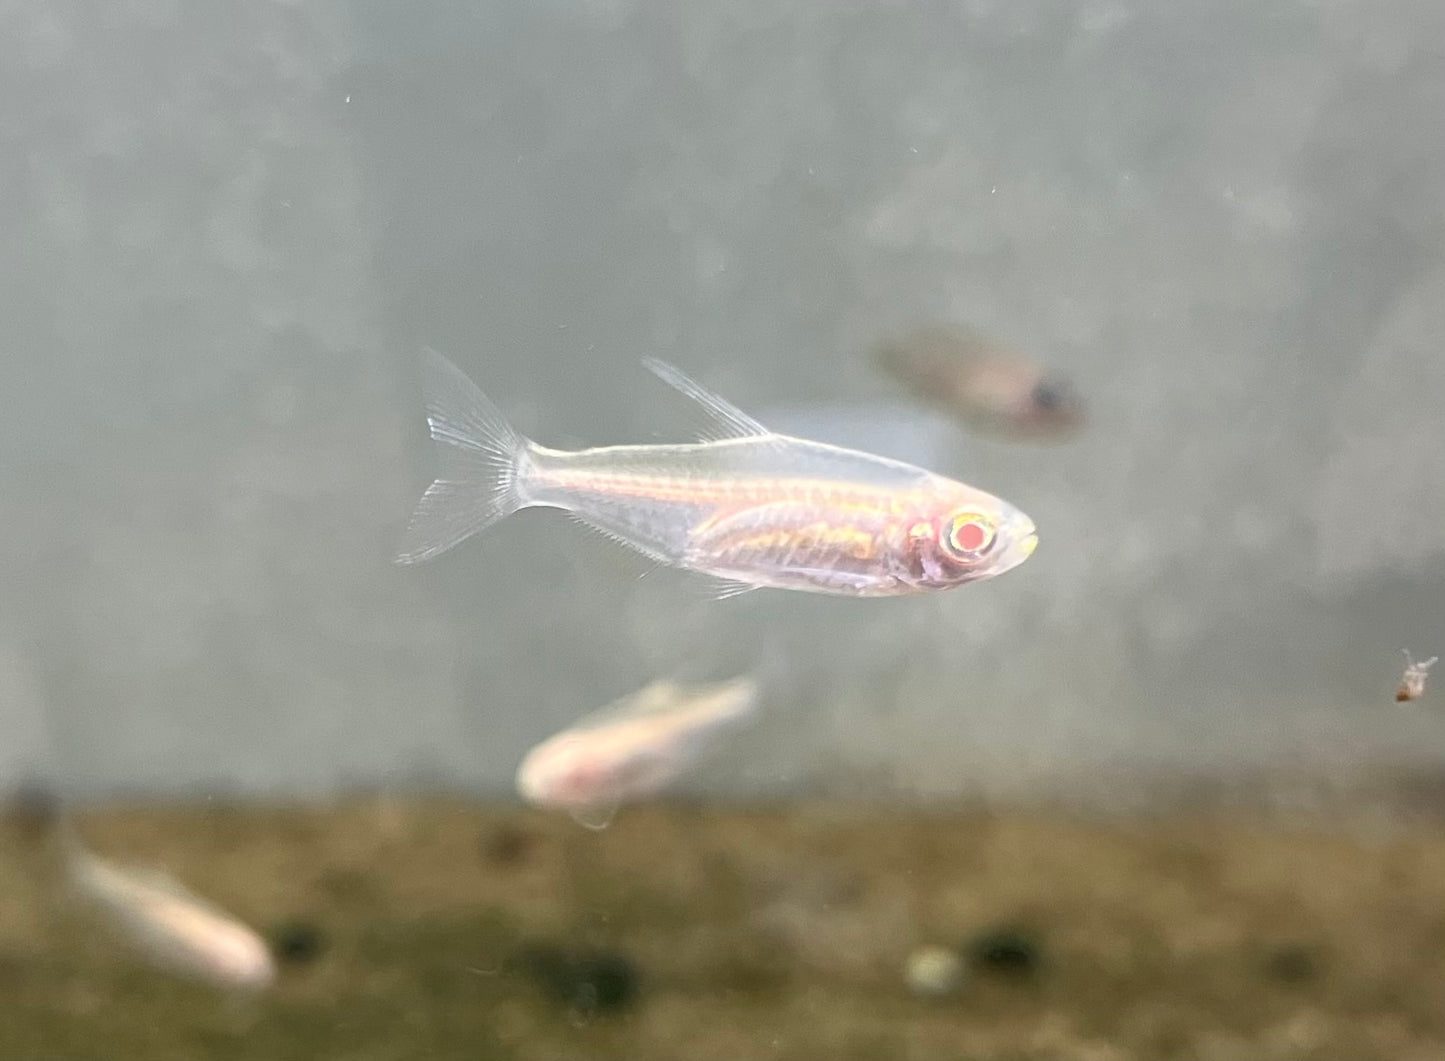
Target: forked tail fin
(480, 457)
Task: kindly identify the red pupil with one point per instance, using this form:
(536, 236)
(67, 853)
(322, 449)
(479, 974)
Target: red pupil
(969, 537)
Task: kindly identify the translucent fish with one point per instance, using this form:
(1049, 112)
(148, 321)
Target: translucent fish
(631, 749)
(1412, 682)
(170, 926)
(749, 507)
(983, 383)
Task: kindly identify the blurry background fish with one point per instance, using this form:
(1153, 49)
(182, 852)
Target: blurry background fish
(984, 383)
(166, 923)
(631, 749)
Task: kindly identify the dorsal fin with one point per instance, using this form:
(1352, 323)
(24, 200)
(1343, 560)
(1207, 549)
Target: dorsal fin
(665, 696)
(652, 699)
(731, 421)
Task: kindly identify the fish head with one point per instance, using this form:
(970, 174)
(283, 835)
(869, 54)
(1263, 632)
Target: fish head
(211, 945)
(1051, 406)
(1019, 399)
(244, 960)
(566, 770)
(968, 536)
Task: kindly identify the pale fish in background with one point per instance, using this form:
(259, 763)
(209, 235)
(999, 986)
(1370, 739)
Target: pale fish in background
(171, 927)
(1412, 682)
(631, 749)
(750, 507)
(985, 384)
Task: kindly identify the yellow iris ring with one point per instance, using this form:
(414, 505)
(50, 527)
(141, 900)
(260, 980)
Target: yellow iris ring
(967, 519)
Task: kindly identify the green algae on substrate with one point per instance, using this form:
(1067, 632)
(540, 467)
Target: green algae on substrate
(444, 930)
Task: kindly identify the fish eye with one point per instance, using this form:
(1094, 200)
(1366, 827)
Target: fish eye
(1048, 395)
(969, 535)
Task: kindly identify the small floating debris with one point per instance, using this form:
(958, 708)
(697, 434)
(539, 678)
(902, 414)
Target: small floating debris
(1412, 682)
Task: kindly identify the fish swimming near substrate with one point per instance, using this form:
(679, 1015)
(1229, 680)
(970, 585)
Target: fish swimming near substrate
(631, 749)
(171, 927)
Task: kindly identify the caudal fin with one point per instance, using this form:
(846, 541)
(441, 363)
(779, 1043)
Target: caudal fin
(480, 456)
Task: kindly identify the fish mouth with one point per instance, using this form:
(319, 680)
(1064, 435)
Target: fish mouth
(1025, 538)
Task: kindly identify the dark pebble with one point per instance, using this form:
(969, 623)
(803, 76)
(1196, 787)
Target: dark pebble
(505, 845)
(1291, 965)
(590, 982)
(1007, 951)
(605, 982)
(298, 942)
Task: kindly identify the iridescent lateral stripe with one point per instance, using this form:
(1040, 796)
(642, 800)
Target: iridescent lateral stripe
(823, 494)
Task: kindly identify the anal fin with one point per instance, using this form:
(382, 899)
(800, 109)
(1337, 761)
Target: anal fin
(600, 530)
(724, 588)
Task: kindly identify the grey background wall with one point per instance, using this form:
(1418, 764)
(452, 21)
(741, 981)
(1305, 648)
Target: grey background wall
(228, 228)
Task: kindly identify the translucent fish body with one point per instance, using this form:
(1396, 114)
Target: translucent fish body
(753, 508)
(632, 749)
(771, 511)
(984, 384)
(171, 927)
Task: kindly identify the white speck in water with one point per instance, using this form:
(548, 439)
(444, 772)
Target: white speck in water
(348, 99)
